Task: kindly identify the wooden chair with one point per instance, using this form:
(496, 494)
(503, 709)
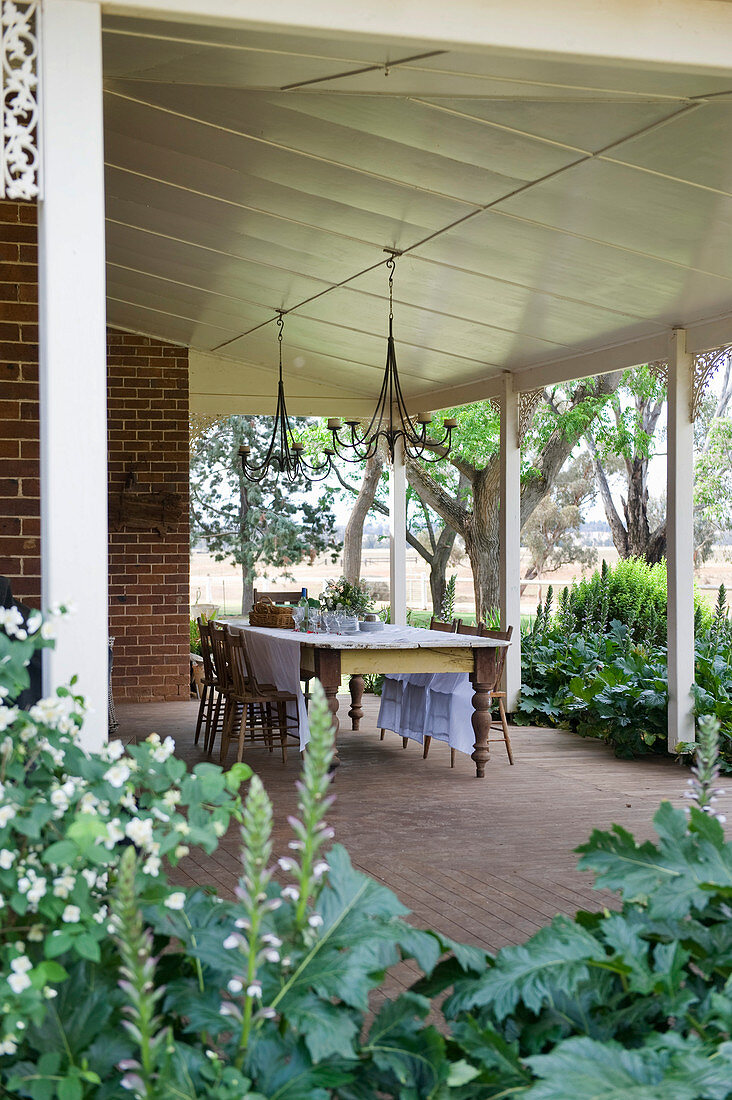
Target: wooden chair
(217, 636)
(292, 597)
(254, 704)
(210, 702)
(496, 693)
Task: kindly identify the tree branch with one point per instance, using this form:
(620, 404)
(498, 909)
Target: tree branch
(432, 493)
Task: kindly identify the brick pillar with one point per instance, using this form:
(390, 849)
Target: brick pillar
(20, 504)
(149, 586)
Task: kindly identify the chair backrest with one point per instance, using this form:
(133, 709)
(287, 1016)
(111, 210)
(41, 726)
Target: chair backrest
(220, 650)
(209, 667)
(240, 680)
(465, 628)
(503, 636)
(446, 628)
(282, 597)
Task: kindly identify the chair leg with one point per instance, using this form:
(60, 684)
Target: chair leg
(382, 735)
(201, 712)
(212, 724)
(405, 742)
(229, 711)
(452, 758)
(282, 717)
(427, 743)
(242, 733)
(504, 723)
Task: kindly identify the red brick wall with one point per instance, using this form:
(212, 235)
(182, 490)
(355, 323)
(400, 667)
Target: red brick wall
(148, 572)
(20, 505)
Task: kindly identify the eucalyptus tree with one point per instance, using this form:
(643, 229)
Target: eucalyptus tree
(562, 419)
(254, 526)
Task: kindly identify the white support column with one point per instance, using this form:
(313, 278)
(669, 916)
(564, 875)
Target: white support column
(73, 371)
(510, 537)
(398, 536)
(680, 544)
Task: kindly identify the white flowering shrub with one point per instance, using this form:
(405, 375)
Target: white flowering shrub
(113, 984)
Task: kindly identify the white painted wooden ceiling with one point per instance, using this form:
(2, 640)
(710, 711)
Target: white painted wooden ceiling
(546, 209)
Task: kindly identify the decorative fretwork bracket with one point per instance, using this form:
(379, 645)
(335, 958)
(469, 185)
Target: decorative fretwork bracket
(19, 168)
(703, 366)
(527, 406)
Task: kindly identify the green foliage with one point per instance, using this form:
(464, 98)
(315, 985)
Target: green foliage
(182, 994)
(585, 670)
(195, 634)
(447, 611)
(356, 598)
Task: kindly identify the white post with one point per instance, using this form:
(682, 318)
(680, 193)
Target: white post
(680, 543)
(398, 536)
(73, 367)
(510, 537)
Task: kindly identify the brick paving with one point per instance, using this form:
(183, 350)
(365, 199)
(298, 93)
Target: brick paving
(486, 861)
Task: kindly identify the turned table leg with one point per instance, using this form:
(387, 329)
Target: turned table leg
(483, 681)
(356, 686)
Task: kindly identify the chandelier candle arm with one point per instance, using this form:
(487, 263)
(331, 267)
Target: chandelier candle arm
(285, 455)
(391, 422)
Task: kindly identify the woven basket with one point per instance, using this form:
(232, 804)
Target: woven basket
(265, 613)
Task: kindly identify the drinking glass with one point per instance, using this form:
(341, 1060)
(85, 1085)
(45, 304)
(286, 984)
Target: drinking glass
(314, 620)
(298, 614)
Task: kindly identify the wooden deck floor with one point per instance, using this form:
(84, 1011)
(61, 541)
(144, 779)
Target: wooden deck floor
(486, 861)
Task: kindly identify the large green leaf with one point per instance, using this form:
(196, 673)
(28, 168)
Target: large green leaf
(553, 961)
(607, 1071)
(690, 862)
(409, 1057)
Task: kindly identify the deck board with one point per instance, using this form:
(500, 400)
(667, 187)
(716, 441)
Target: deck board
(485, 861)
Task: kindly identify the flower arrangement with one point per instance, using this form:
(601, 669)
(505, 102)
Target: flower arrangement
(351, 597)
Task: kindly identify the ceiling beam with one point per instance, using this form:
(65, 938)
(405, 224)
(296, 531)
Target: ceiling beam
(688, 34)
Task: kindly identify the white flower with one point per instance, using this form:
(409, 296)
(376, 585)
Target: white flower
(176, 900)
(36, 893)
(49, 993)
(7, 717)
(291, 892)
(101, 915)
(231, 942)
(19, 982)
(8, 1045)
(71, 914)
(21, 964)
(140, 831)
(273, 941)
(7, 858)
(171, 797)
(254, 989)
(321, 868)
(115, 833)
(90, 877)
(161, 753)
(63, 885)
(235, 986)
(35, 933)
(267, 1013)
(219, 828)
(113, 750)
(287, 864)
(117, 775)
(12, 622)
(7, 813)
(151, 866)
(181, 851)
(183, 828)
(229, 1010)
(48, 631)
(315, 920)
(271, 955)
(158, 813)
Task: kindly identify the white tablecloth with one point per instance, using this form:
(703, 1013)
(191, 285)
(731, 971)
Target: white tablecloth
(438, 705)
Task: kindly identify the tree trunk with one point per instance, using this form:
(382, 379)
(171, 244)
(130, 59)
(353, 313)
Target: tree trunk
(353, 537)
(438, 568)
(247, 590)
(482, 539)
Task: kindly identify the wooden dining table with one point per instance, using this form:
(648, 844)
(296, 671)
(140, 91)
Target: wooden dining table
(394, 649)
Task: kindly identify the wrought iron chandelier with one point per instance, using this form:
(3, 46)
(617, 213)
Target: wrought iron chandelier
(285, 454)
(390, 421)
